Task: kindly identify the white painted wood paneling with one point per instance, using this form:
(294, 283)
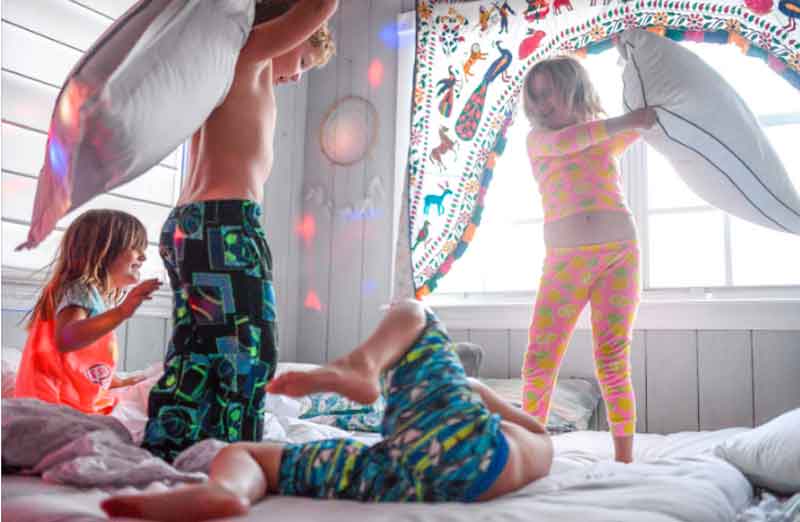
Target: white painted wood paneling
(379, 169)
(315, 262)
(18, 194)
(145, 342)
(282, 210)
(725, 376)
(639, 378)
(518, 345)
(27, 103)
(37, 56)
(347, 234)
(459, 336)
(495, 352)
(110, 8)
(672, 401)
(776, 373)
(61, 20)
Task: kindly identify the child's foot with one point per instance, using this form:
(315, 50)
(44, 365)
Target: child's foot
(180, 505)
(344, 376)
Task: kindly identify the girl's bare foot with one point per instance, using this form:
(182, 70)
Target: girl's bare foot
(348, 376)
(194, 503)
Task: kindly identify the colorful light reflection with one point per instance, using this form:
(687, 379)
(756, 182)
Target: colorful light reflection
(307, 229)
(375, 73)
(312, 301)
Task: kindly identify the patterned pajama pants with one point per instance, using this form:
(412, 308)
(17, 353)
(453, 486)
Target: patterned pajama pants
(224, 344)
(607, 276)
(440, 442)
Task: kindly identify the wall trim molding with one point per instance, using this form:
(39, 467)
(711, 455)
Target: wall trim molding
(733, 314)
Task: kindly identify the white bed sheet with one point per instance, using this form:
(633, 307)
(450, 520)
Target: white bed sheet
(674, 479)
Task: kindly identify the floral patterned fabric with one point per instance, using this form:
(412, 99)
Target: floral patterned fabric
(471, 59)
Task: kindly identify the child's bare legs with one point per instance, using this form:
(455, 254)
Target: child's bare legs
(356, 374)
(240, 475)
(623, 449)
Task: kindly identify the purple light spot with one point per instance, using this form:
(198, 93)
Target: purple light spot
(369, 286)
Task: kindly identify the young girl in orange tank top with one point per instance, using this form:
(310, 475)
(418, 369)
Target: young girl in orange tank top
(70, 356)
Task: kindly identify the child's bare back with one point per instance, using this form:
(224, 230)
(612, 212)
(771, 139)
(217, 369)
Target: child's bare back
(232, 153)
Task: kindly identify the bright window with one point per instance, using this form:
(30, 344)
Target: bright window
(686, 243)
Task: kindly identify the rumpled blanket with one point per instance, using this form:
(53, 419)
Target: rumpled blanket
(66, 446)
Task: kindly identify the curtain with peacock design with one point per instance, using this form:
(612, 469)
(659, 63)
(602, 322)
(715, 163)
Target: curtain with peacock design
(471, 58)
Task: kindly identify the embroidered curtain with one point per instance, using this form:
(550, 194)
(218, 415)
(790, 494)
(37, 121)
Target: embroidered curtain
(471, 59)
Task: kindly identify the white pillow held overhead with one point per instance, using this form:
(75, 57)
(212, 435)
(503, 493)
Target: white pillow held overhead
(145, 86)
(707, 132)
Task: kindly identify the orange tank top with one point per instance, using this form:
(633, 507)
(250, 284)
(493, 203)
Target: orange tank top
(79, 379)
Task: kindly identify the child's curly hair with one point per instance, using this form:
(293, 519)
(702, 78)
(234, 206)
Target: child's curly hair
(321, 40)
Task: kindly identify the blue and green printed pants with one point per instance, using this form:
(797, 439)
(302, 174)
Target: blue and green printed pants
(440, 442)
(224, 345)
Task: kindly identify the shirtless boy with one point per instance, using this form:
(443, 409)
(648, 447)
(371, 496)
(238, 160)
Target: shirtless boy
(445, 437)
(223, 348)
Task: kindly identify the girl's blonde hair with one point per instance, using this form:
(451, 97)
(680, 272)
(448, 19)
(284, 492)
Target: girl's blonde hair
(91, 243)
(571, 81)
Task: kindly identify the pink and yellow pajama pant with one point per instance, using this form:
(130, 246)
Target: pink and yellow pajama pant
(607, 276)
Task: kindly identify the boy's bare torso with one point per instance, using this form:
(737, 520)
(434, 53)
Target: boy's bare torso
(231, 154)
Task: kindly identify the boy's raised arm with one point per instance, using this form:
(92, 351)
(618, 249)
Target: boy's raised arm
(278, 36)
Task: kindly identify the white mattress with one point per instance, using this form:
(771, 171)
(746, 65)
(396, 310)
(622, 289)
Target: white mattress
(673, 479)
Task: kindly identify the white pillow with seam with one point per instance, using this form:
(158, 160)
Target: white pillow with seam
(768, 455)
(707, 132)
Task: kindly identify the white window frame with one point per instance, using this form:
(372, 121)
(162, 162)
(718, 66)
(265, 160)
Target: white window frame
(735, 308)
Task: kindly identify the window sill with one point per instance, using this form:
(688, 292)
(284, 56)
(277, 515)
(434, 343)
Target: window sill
(655, 313)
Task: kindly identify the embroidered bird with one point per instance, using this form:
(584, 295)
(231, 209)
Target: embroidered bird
(447, 87)
(423, 234)
(790, 8)
(467, 123)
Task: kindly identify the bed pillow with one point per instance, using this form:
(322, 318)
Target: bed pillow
(148, 82)
(768, 455)
(707, 132)
(10, 362)
(574, 401)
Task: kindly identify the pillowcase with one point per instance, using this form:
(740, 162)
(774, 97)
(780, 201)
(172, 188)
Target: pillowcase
(707, 132)
(768, 455)
(143, 87)
(574, 401)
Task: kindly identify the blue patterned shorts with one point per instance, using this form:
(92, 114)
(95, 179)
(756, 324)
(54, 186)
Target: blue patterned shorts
(440, 441)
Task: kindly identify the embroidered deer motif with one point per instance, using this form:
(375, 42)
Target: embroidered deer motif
(446, 145)
(438, 200)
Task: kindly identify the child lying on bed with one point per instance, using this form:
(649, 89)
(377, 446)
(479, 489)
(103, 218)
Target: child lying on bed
(70, 356)
(442, 442)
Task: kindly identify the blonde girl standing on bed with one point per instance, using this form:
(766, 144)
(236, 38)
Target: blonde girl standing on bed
(70, 356)
(592, 254)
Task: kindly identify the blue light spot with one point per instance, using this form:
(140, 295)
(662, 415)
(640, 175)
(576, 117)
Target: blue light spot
(58, 160)
(389, 35)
